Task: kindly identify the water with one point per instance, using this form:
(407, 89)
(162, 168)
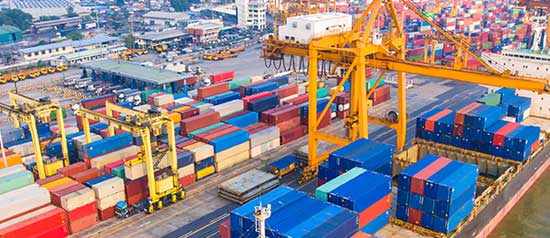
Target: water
(531, 215)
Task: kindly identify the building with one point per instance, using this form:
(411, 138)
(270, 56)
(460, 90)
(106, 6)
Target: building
(88, 55)
(251, 14)
(228, 12)
(164, 18)
(205, 31)
(63, 23)
(54, 50)
(10, 34)
(38, 8)
(150, 40)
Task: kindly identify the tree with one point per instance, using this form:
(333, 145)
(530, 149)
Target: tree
(71, 13)
(180, 5)
(48, 18)
(75, 35)
(120, 3)
(130, 41)
(15, 17)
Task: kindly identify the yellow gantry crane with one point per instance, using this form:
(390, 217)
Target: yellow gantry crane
(31, 111)
(363, 47)
(145, 125)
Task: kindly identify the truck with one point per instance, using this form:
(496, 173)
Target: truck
(123, 210)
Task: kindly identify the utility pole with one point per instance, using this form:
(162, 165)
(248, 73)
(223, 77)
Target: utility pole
(261, 214)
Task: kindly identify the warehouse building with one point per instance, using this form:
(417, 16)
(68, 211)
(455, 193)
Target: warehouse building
(63, 23)
(10, 34)
(38, 8)
(150, 40)
(164, 18)
(135, 75)
(51, 51)
(205, 31)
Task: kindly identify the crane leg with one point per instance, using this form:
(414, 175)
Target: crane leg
(311, 168)
(402, 108)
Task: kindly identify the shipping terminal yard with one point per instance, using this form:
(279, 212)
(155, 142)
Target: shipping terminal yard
(274, 119)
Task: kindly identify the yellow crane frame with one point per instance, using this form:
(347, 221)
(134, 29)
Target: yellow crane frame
(141, 124)
(27, 109)
(357, 49)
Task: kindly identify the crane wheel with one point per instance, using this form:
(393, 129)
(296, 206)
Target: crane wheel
(174, 198)
(159, 204)
(150, 209)
(182, 195)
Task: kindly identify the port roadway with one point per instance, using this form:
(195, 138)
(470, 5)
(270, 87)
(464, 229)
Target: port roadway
(201, 213)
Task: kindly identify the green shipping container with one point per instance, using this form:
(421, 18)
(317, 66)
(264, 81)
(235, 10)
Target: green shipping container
(322, 92)
(15, 181)
(415, 57)
(322, 191)
(370, 82)
(491, 99)
(53, 115)
(235, 83)
(204, 129)
(147, 93)
(487, 45)
(119, 172)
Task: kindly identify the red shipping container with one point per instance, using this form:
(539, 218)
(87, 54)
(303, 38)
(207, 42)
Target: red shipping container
(37, 225)
(63, 186)
(264, 114)
(191, 112)
(415, 216)
(254, 97)
(106, 213)
(500, 135)
(58, 231)
(342, 98)
(82, 217)
(417, 180)
(87, 175)
(190, 124)
(293, 134)
(186, 143)
(73, 169)
(429, 125)
(459, 115)
(187, 180)
(225, 229)
(380, 91)
(283, 115)
(83, 222)
(374, 210)
(49, 179)
(223, 76)
(56, 196)
(256, 127)
(286, 91)
(361, 234)
(210, 136)
(342, 114)
(324, 122)
(211, 90)
(298, 100)
(136, 190)
(191, 103)
(236, 114)
(288, 124)
(320, 182)
(458, 130)
(380, 99)
(98, 102)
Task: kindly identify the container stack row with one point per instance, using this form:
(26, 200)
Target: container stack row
(363, 153)
(480, 128)
(436, 193)
(517, 108)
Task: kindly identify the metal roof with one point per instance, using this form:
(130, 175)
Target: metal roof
(136, 71)
(156, 36)
(85, 53)
(166, 15)
(81, 43)
(46, 47)
(99, 39)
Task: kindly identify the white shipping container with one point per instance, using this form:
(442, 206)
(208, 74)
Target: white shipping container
(202, 152)
(264, 136)
(102, 160)
(256, 78)
(228, 108)
(230, 162)
(260, 149)
(108, 187)
(110, 200)
(187, 170)
(77, 199)
(138, 170)
(143, 108)
(11, 170)
(24, 149)
(232, 151)
(23, 200)
(163, 100)
(303, 29)
(204, 108)
(183, 100)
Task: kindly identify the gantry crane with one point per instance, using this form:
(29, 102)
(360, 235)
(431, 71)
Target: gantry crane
(144, 125)
(357, 49)
(544, 7)
(430, 41)
(31, 111)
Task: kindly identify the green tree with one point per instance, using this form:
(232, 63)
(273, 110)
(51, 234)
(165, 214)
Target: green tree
(42, 42)
(75, 35)
(48, 18)
(130, 41)
(120, 3)
(71, 13)
(15, 17)
(180, 5)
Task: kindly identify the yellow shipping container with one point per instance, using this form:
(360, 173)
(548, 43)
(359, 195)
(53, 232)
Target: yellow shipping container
(164, 184)
(334, 90)
(13, 159)
(174, 117)
(56, 183)
(180, 109)
(51, 168)
(205, 172)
